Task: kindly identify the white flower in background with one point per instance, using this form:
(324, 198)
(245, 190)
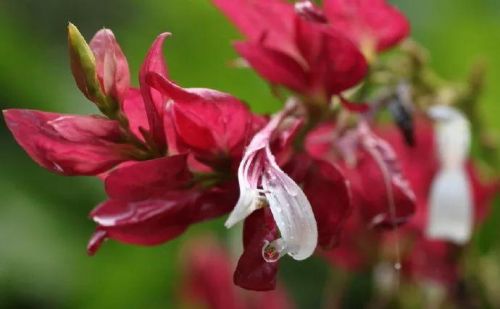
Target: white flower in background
(451, 205)
(262, 183)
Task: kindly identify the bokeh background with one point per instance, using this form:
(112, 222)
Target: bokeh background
(43, 217)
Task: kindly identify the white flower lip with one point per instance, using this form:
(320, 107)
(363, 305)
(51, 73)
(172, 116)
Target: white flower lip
(450, 202)
(262, 183)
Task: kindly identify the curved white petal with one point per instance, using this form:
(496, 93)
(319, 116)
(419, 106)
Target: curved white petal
(291, 211)
(250, 199)
(450, 203)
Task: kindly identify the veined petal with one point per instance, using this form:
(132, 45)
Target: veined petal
(250, 199)
(260, 176)
(250, 171)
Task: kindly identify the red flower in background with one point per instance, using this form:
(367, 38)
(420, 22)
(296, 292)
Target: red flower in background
(297, 50)
(208, 281)
(380, 192)
(371, 24)
(421, 257)
(440, 263)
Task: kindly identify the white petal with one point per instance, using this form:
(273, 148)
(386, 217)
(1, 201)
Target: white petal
(453, 136)
(451, 204)
(250, 199)
(450, 213)
(291, 211)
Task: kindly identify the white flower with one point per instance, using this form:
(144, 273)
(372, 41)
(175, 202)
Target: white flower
(262, 183)
(451, 205)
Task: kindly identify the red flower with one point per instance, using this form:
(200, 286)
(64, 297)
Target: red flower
(441, 261)
(371, 24)
(294, 49)
(166, 154)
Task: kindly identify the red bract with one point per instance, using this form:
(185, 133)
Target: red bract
(154, 102)
(69, 144)
(371, 24)
(253, 271)
(208, 281)
(293, 50)
(213, 125)
(154, 201)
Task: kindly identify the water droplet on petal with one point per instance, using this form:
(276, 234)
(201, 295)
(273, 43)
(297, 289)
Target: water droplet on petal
(274, 250)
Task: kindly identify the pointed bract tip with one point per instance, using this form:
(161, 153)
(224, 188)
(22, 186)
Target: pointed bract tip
(165, 34)
(96, 241)
(105, 31)
(73, 32)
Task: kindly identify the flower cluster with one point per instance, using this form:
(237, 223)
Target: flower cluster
(170, 157)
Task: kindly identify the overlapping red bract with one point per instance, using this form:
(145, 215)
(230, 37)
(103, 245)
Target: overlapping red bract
(152, 197)
(284, 47)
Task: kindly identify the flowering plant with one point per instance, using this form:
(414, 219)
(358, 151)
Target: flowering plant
(322, 175)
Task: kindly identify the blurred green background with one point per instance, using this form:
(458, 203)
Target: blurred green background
(43, 217)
